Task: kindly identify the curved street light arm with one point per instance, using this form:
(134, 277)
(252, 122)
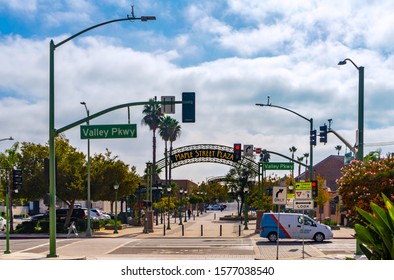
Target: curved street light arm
(343, 62)
(143, 18)
(270, 105)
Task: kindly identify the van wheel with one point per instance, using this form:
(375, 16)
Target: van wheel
(319, 237)
(272, 236)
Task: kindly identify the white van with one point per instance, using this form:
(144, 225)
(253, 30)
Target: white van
(294, 226)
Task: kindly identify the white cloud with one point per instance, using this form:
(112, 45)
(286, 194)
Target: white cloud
(288, 51)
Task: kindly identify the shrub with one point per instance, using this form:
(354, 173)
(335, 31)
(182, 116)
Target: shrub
(377, 235)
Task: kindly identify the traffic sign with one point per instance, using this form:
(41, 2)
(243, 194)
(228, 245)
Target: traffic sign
(108, 131)
(290, 201)
(303, 204)
(168, 108)
(303, 186)
(303, 194)
(279, 195)
(248, 150)
(278, 165)
(258, 150)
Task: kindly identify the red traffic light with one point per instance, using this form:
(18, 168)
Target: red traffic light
(237, 152)
(315, 188)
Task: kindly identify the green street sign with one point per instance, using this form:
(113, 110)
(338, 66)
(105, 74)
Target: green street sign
(108, 131)
(303, 186)
(278, 165)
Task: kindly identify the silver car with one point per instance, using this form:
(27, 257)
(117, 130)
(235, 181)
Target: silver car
(98, 214)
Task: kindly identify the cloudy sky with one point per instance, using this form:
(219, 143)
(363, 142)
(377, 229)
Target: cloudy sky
(232, 53)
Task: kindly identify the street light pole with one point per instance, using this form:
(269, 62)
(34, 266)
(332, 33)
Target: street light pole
(53, 132)
(116, 187)
(7, 208)
(311, 128)
(88, 229)
(360, 146)
(168, 214)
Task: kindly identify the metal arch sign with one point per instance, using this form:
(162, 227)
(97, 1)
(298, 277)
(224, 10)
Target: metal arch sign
(202, 153)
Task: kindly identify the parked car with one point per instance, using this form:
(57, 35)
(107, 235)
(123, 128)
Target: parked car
(215, 207)
(3, 224)
(98, 214)
(79, 213)
(40, 216)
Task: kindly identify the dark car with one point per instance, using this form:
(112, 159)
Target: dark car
(39, 217)
(78, 213)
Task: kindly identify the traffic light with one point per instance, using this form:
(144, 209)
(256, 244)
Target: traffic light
(189, 110)
(313, 137)
(237, 152)
(323, 134)
(16, 179)
(265, 156)
(143, 204)
(315, 188)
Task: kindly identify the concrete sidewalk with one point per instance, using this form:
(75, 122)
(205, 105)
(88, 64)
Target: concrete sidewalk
(207, 224)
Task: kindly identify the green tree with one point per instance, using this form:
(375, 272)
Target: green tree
(70, 175)
(165, 133)
(338, 148)
(152, 118)
(31, 161)
(8, 160)
(238, 179)
(175, 133)
(364, 182)
(106, 170)
(292, 151)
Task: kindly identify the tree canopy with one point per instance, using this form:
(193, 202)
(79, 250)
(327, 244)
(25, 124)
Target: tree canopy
(363, 182)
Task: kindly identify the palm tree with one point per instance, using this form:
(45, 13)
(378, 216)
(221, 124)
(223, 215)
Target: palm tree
(165, 133)
(152, 118)
(292, 151)
(175, 132)
(306, 155)
(338, 148)
(300, 159)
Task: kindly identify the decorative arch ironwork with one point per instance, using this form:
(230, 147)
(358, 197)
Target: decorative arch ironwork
(203, 153)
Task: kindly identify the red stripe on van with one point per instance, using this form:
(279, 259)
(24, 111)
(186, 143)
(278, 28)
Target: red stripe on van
(280, 226)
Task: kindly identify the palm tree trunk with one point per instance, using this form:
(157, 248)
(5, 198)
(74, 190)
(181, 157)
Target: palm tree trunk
(170, 162)
(166, 161)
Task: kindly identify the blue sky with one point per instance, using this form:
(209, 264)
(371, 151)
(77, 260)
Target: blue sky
(232, 53)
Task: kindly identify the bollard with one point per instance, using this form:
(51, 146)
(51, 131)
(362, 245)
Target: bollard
(183, 230)
(214, 216)
(239, 230)
(164, 230)
(202, 230)
(221, 230)
(194, 217)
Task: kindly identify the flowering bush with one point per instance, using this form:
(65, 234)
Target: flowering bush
(364, 182)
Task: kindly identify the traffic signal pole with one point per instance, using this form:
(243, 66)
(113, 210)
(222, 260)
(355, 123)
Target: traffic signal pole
(311, 129)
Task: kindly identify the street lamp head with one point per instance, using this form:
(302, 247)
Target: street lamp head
(146, 18)
(116, 186)
(343, 62)
(83, 103)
